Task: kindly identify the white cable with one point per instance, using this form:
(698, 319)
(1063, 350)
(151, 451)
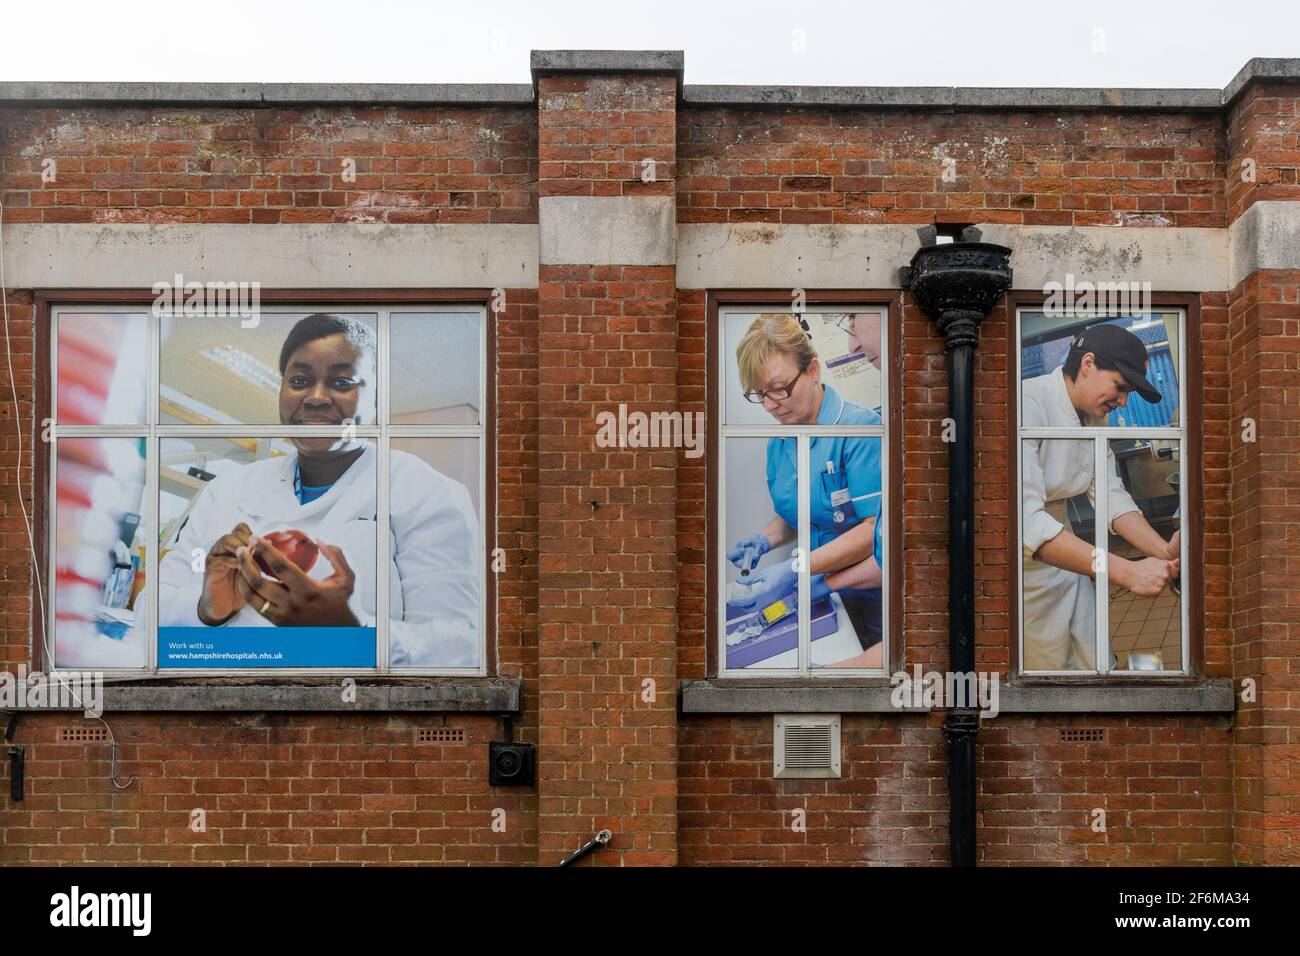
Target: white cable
(22, 505)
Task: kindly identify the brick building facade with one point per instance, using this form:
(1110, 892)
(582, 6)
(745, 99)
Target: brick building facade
(612, 209)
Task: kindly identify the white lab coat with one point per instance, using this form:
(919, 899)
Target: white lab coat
(433, 570)
(1059, 606)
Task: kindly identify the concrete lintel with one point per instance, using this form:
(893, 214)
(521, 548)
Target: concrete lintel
(744, 697)
(608, 230)
(468, 695)
(1265, 236)
(268, 94)
(1177, 259)
(288, 256)
(760, 255)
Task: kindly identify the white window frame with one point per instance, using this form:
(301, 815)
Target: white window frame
(1101, 438)
(804, 434)
(382, 433)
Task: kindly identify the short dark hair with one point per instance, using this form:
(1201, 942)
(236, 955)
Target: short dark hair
(1075, 358)
(318, 325)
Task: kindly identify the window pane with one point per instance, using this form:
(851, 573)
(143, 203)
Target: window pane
(847, 599)
(1059, 382)
(435, 575)
(103, 368)
(213, 369)
(759, 534)
(216, 611)
(99, 553)
(851, 346)
(1146, 629)
(435, 367)
(767, 351)
(1059, 607)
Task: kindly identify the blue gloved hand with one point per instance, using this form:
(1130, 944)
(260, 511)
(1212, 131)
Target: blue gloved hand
(773, 583)
(781, 581)
(745, 554)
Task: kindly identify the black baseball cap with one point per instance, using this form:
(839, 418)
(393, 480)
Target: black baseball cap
(1122, 349)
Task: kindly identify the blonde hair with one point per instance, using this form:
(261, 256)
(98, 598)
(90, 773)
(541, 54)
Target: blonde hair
(772, 333)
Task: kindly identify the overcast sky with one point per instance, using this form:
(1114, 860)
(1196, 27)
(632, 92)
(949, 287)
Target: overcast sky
(1170, 43)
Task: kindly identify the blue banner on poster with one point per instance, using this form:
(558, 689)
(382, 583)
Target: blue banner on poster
(228, 647)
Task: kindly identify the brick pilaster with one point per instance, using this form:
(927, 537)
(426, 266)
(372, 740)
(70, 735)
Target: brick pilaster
(607, 586)
(1264, 376)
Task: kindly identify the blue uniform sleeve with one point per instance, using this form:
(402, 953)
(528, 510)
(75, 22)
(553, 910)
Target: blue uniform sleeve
(880, 521)
(862, 464)
(782, 482)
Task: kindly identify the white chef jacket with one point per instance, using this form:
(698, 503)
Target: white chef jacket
(1059, 605)
(433, 571)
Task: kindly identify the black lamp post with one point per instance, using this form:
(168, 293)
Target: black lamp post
(956, 283)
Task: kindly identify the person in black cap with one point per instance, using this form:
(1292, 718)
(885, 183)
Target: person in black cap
(1104, 365)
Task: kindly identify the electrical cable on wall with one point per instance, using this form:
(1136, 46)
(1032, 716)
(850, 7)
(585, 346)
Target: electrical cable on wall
(27, 524)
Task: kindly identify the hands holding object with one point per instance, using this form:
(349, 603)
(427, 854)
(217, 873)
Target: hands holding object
(270, 575)
(781, 581)
(745, 554)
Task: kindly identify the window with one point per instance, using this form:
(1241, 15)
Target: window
(223, 484)
(1102, 563)
(802, 472)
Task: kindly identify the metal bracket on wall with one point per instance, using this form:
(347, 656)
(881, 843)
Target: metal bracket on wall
(595, 843)
(16, 758)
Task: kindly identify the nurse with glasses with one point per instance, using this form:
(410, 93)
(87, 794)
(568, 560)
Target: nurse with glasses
(780, 370)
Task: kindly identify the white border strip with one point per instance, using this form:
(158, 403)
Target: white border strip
(759, 255)
(735, 255)
(289, 256)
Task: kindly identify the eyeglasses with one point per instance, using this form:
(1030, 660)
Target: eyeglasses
(778, 394)
(845, 324)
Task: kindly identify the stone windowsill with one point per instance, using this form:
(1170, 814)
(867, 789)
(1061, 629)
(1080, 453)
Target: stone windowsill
(872, 696)
(496, 695)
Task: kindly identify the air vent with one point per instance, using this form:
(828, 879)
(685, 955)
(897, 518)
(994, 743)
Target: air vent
(806, 745)
(1082, 736)
(82, 735)
(440, 735)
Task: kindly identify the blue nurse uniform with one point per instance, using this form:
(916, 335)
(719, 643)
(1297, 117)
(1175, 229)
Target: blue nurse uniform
(846, 478)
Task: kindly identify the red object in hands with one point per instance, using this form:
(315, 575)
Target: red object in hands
(294, 545)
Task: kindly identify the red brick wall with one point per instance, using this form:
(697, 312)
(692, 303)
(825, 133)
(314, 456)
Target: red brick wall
(278, 787)
(1264, 128)
(595, 132)
(1263, 369)
(270, 165)
(16, 480)
(274, 788)
(608, 582)
(595, 599)
(1265, 520)
(854, 166)
(1165, 783)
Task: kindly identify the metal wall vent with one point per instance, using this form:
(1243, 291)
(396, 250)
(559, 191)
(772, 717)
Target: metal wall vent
(1081, 736)
(441, 735)
(806, 745)
(82, 735)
